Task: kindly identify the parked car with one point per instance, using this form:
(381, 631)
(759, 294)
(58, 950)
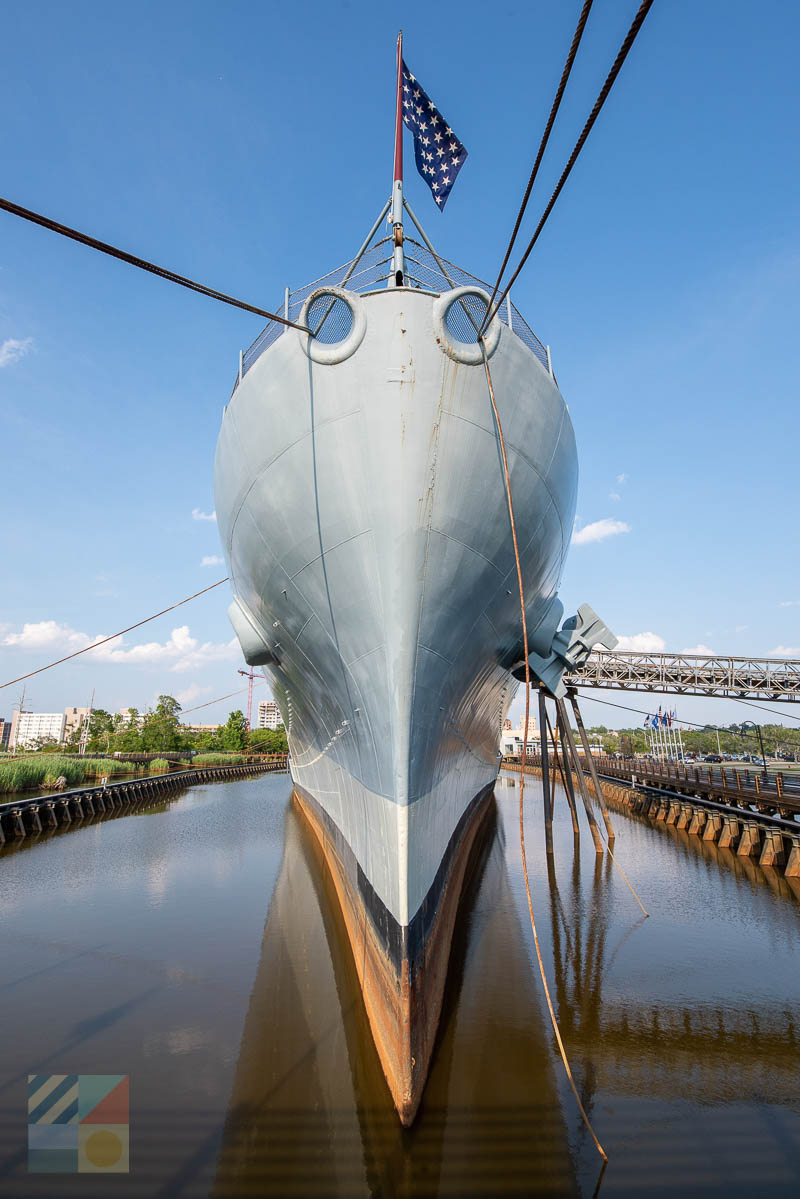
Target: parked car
(712, 758)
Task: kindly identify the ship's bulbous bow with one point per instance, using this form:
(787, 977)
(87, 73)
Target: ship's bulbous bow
(361, 502)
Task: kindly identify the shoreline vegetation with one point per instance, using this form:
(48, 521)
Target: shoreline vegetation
(153, 732)
(44, 770)
(35, 771)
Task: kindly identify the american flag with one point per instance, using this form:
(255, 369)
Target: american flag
(439, 153)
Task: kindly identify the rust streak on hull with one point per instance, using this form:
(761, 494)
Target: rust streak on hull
(403, 1003)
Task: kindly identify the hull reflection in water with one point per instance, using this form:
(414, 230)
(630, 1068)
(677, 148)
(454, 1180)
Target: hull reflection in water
(310, 1112)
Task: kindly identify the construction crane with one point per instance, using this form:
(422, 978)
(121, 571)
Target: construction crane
(248, 674)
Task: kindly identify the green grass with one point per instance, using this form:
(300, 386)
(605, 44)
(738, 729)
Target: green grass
(217, 759)
(159, 765)
(42, 770)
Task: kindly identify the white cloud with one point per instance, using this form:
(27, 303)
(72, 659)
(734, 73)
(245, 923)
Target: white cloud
(642, 643)
(198, 515)
(622, 479)
(741, 628)
(14, 348)
(789, 604)
(46, 633)
(178, 644)
(181, 651)
(698, 649)
(212, 560)
(209, 651)
(614, 496)
(785, 651)
(192, 692)
(598, 530)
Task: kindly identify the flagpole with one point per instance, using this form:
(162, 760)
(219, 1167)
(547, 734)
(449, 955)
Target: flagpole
(398, 258)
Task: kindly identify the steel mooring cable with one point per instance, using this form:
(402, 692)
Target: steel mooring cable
(565, 74)
(104, 640)
(550, 1008)
(46, 222)
(593, 115)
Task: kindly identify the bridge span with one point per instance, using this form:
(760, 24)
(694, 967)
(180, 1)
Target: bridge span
(776, 679)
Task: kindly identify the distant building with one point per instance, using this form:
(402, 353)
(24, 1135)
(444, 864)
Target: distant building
(269, 716)
(202, 728)
(511, 739)
(32, 727)
(5, 733)
(73, 720)
(127, 715)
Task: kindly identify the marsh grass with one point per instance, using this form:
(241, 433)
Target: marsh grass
(217, 759)
(42, 770)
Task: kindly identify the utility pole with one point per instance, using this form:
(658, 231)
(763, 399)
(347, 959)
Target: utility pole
(84, 741)
(757, 727)
(19, 718)
(250, 676)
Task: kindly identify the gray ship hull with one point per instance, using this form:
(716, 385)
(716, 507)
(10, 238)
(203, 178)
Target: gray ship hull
(361, 504)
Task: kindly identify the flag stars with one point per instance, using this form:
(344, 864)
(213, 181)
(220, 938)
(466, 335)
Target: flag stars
(439, 155)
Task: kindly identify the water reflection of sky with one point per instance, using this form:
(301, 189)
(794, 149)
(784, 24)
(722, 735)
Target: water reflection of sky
(199, 948)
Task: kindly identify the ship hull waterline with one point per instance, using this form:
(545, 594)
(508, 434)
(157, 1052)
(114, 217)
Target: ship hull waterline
(402, 994)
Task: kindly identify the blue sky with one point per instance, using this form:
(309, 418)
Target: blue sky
(249, 146)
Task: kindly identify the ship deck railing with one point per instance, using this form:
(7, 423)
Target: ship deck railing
(423, 271)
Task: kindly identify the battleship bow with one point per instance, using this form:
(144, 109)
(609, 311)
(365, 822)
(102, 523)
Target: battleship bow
(361, 504)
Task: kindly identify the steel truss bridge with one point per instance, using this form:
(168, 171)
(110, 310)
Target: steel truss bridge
(691, 674)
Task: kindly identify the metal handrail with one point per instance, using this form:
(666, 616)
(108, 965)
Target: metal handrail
(434, 274)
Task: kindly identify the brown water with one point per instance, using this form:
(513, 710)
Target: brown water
(199, 949)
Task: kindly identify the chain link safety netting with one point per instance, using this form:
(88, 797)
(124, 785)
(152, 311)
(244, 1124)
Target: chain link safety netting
(330, 319)
(369, 273)
(464, 318)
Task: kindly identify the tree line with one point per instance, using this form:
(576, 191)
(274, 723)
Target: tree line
(161, 729)
(777, 739)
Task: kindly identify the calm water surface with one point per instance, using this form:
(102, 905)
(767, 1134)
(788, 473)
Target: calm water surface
(199, 949)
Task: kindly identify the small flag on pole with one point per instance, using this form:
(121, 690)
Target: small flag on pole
(439, 153)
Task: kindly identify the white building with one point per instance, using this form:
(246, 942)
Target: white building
(74, 718)
(511, 739)
(28, 728)
(269, 716)
(127, 715)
